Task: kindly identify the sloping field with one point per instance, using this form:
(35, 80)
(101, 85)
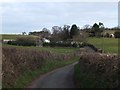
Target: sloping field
(109, 45)
(15, 36)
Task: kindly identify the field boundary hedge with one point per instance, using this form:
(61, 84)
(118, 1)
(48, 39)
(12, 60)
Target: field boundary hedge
(97, 71)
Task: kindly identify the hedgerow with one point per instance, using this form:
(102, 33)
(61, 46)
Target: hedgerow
(97, 71)
(17, 61)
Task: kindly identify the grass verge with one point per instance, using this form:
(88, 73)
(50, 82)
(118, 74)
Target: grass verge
(21, 65)
(28, 76)
(64, 50)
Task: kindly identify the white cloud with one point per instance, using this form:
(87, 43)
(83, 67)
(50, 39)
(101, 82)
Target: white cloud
(18, 17)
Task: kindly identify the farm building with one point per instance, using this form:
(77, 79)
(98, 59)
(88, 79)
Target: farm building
(112, 35)
(7, 40)
(46, 40)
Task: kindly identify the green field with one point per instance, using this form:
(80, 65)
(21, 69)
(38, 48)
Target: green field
(109, 45)
(15, 36)
(53, 57)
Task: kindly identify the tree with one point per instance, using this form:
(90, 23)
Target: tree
(56, 29)
(60, 33)
(66, 32)
(46, 30)
(97, 29)
(117, 34)
(57, 33)
(45, 33)
(82, 37)
(107, 35)
(101, 26)
(86, 27)
(74, 31)
(24, 33)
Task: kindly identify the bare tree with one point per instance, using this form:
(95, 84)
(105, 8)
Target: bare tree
(87, 26)
(24, 33)
(81, 37)
(66, 32)
(56, 35)
(45, 33)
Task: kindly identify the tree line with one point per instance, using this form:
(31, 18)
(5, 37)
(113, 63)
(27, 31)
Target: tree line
(64, 36)
(67, 32)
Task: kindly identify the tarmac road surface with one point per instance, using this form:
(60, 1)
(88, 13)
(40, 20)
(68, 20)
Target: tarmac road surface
(59, 78)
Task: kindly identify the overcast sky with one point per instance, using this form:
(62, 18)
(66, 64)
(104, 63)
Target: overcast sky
(33, 16)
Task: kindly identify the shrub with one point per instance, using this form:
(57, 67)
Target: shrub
(117, 34)
(97, 71)
(64, 44)
(69, 44)
(75, 45)
(107, 35)
(12, 43)
(17, 61)
(91, 46)
(23, 41)
(46, 44)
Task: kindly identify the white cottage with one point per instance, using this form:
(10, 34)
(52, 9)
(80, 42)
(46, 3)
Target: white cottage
(46, 40)
(112, 35)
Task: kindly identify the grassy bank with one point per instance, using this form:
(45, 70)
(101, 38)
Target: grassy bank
(64, 50)
(109, 45)
(28, 76)
(22, 64)
(97, 71)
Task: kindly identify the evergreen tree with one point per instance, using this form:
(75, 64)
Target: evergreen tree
(74, 30)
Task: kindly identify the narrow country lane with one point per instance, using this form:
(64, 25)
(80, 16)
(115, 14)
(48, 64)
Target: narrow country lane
(59, 78)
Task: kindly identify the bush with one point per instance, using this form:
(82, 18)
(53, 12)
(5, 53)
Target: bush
(17, 61)
(57, 44)
(117, 34)
(23, 41)
(97, 71)
(91, 46)
(12, 43)
(64, 44)
(75, 45)
(107, 35)
(69, 44)
(46, 44)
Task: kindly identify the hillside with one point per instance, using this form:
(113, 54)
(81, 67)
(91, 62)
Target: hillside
(14, 36)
